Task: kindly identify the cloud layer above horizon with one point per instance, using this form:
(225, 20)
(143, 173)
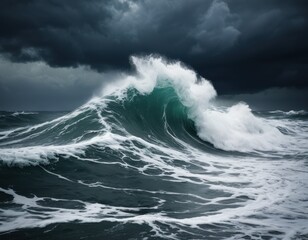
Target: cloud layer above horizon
(241, 46)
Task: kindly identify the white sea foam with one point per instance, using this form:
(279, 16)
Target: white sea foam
(237, 129)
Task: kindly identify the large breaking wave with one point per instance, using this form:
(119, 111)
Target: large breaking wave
(161, 95)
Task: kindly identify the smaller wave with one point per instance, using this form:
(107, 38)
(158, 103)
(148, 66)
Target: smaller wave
(15, 114)
(290, 113)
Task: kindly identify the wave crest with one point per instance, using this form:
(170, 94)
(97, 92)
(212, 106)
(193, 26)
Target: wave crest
(234, 128)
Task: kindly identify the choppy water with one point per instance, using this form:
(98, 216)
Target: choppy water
(154, 157)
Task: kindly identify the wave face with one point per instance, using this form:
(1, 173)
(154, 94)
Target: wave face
(154, 156)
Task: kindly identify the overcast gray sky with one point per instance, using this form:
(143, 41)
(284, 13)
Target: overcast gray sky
(55, 54)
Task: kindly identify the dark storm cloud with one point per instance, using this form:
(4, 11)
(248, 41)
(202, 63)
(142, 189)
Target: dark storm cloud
(241, 46)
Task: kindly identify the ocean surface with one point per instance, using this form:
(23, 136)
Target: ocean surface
(153, 156)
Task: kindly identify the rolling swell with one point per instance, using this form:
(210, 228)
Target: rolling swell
(159, 118)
